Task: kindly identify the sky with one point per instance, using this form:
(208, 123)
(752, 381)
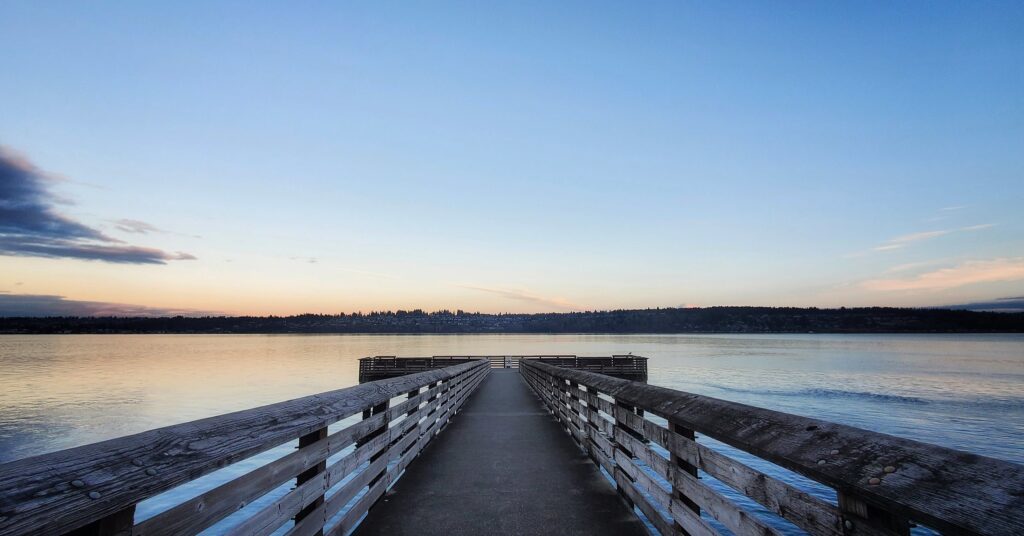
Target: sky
(280, 158)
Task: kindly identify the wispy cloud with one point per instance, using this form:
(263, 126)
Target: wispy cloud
(136, 227)
(952, 208)
(907, 239)
(526, 296)
(967, 273)
(914, 266)
(31, 226)
(36, 305)
(977, 227)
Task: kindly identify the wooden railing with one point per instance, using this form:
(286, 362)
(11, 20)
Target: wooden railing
(621, 366)
(94, 489)
(388, 366)
(883, 483)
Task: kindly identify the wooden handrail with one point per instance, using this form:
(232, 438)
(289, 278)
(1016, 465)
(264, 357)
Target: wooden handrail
(883, 482)
(629, 367)
(98, 485)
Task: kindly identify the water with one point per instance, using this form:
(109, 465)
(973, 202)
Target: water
(960, 391)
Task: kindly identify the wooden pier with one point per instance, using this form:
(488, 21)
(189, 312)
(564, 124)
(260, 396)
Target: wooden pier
(372, 459)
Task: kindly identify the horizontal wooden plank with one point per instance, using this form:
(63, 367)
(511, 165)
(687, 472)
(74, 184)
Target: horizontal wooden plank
(949, 490)
(803, 510)
(353, 516)
(203, 511)
(625, 485)
(810, 513)
(736, 519)
(450, 401)
(684, 516)
(267, 520)
(36, 495)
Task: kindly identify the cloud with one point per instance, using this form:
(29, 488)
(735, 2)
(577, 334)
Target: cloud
(967, 273)
(36, 305)
(1004, 305)
(31, 227)
(69, 249)
(525, 296)
(977, 227)
(914, 265)
(136, 227)
(949, 209)
(902, 241)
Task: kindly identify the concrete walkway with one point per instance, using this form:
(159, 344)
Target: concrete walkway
(503, 466)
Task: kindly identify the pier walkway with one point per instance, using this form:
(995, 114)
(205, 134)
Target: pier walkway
(475, 479)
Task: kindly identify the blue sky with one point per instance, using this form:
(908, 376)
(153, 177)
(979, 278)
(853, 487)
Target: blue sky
(526, 156)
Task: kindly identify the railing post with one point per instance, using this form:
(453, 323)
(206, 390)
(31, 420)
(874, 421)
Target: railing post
(117, 524)
(432, 397)
(414, 409)
(310, 474)
(687, 467)
(625, 428)
(856, 512)
(375, 410)
(592, 429)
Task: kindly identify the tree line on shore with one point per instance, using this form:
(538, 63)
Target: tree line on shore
(661, 320)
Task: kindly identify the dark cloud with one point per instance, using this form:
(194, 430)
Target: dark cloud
(68, 249)
(1013, 304)
(30, 226)
(37, 305)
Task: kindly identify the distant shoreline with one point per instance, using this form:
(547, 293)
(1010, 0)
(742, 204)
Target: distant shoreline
(666, 321)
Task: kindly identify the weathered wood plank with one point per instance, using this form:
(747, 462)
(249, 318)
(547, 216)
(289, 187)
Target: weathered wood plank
(36, 495)
(203, 511)
(448, 401)
(355, 514)
(626, 486)
(687, 520)
(273, 515)
(739, 521)
(807, 512)
(269, 518)
(813, 515)
(946, 489)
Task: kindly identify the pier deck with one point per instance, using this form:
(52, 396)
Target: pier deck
(472, 480)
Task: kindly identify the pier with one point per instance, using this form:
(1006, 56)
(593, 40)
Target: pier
(511, 445)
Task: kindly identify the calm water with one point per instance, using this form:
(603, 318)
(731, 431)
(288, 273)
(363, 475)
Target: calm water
(961, 391)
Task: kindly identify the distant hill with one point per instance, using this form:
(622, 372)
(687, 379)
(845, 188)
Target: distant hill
(669, 320)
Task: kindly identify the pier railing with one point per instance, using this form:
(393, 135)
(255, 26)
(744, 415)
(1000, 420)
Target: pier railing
(628, 367)
(94, 489)
(883, 483)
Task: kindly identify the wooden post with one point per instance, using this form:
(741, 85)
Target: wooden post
(416, 408)
(432, 397)
(625, 428)
(117, 524)
(375, 410)
(310, 474)
(857, 513)
(685, 466)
